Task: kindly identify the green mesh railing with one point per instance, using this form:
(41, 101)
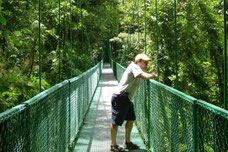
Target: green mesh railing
(49, 121)
(171, 121)
(81, 97)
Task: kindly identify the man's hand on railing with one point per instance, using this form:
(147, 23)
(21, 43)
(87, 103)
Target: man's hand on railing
(146, 76)
(153, 75)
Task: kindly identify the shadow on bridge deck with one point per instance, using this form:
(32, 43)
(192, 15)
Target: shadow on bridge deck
(95, 132)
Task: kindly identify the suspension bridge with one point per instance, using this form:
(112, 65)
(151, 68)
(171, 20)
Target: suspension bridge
(74, 115)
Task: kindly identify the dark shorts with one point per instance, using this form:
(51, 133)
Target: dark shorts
(122, 109)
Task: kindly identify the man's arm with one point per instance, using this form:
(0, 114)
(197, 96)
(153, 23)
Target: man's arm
(146, 76)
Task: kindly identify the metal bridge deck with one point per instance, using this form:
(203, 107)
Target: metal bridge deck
(95, 132)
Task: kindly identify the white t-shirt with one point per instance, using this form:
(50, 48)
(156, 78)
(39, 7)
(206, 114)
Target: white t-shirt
(130, 81)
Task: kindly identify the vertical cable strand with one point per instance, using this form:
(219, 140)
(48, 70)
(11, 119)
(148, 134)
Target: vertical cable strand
(225, 57)
(157, 45)
(138, 25)
(59, 43)
(71, 68)
(145, 24)
(175, 44)
(40, 70)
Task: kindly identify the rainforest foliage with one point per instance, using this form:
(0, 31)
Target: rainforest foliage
(199, 43)
(74, 33)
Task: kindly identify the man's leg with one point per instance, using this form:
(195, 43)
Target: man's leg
(128, 128)
(114, 129)
(127, 141)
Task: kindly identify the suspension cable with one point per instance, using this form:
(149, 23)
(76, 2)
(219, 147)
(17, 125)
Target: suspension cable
(225, 57)
(77, 21)
(157, 44)
(129, 40)
(40, 68)
(82, 30)
(145, 25)
(82, 36)
(59, 43)
(133, 40)
(71, 68)
(138, 24)
(175, 43)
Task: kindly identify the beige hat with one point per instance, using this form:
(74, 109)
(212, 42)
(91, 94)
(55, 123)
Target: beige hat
(142, 57)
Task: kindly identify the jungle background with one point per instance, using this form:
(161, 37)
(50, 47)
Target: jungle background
(80, 31)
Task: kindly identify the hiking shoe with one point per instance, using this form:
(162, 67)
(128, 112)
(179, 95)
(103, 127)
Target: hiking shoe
(130, 145)
(117, 148)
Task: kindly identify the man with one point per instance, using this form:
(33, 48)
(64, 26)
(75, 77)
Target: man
(122, 107)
